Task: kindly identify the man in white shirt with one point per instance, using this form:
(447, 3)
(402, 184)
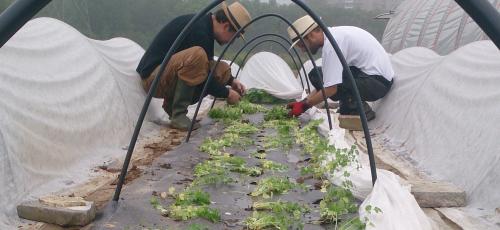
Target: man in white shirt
(365, 57)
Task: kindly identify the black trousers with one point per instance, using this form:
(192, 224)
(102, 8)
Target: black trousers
(370, 87)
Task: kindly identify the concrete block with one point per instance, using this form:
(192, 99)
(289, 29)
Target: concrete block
(58, 211)
(350, 122)
(433, 194)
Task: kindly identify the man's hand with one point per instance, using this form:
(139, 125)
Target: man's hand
(233, 97)
(298, 108)
(238, 87)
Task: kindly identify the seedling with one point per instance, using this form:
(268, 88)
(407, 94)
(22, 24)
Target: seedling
(276, 215)
(178, 212)
(276, 113)
(259, 96)
(270, 186)
(273, 166)
(156, 205)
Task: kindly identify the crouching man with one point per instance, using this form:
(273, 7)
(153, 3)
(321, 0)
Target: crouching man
(365, 57)
(182, 81)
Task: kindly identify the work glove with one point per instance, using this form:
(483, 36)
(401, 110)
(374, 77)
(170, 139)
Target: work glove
(298, 108)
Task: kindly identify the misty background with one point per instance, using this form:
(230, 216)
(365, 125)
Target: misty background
(141, 20)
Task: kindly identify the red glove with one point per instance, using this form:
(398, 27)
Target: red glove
(298, 108)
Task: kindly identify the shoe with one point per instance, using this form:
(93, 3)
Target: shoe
(348, 107)
(181, 99)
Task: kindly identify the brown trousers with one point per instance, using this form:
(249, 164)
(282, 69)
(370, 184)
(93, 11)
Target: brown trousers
(190, 66)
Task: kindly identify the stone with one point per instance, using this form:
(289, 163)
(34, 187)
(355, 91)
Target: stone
(50, 211)
(350, 122)
(437, 194)
(59, 201)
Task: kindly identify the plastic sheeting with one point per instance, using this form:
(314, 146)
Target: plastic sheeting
(269, 72)
(440, 25)
(443, 113)
(67, 103)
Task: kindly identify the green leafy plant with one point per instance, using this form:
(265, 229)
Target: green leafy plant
(156, 205)
(197, 227)
(178, 212)
(276, 113)
(241, 128)
(270, 186)
(336, 203)
(273, 166)
(192, 197)
(276, 215)
(259, 96)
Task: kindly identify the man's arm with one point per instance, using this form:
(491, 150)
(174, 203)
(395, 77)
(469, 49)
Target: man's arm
(317, 96)
(297, 108)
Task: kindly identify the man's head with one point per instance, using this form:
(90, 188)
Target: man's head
(228, 20)
(310, 31)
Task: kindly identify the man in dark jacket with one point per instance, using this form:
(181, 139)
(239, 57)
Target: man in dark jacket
(185, 74)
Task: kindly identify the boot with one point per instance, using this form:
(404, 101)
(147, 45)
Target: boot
(349, 107)
(181, 99)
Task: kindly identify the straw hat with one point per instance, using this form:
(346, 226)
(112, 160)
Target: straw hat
(304, 26)
(237, 14)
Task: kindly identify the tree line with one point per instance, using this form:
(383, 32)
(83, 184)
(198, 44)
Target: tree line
(141, 20)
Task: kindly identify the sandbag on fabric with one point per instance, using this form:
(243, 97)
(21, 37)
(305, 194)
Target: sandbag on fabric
(269, 72)
(67, 102)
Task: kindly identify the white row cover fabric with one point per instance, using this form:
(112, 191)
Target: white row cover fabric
(443, 113)
(68, 103)
(271, 73)
(399, 208)
(440, 25)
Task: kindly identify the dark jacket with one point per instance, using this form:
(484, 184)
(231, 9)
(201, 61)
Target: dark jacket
(201, 34)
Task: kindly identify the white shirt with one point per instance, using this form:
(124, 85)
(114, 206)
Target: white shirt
(360, 49)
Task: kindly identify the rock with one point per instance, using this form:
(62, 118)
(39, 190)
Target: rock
(437, 194)
(350, 122)
(58, 201)
(79, 215)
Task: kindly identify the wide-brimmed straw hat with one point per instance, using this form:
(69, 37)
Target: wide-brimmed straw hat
(237, 14)
(304, 26)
